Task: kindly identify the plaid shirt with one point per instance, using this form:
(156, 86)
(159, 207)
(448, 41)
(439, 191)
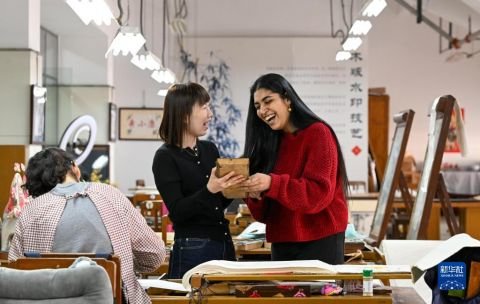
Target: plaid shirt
(139, 248)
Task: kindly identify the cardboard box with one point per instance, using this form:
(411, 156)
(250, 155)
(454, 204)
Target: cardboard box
(227, 165)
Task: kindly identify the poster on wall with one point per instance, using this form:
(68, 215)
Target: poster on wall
(335, 91)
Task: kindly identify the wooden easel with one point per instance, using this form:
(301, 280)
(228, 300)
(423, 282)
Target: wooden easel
(392, 178)
(432, 181)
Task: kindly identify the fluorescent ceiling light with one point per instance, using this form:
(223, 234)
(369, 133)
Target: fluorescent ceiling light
(343, 55)
(146, 61)
(360, 27)
(163, 75)
(374, 8)
(352, 43)
(92, 10)
(128, 41)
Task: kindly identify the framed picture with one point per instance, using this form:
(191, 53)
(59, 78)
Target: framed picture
(139, 123)
(37, 114)
(112, 121)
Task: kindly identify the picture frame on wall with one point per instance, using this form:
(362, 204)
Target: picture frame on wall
(38, 96)
(112, 121)
(139, 123)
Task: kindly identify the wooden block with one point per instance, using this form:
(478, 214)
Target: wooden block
(240, 166)
(248, 245)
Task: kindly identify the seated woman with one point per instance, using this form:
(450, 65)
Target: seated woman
(66, 215)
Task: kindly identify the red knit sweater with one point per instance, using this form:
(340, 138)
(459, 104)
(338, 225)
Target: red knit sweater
(305, 201)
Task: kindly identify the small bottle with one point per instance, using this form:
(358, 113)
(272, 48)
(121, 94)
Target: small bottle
(367, 283)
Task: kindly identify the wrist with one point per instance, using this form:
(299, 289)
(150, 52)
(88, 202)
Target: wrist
(209, 188)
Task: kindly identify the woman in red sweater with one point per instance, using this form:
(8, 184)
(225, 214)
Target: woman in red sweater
(299, 184)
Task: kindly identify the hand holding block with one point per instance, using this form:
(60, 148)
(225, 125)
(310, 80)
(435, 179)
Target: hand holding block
(240, 166)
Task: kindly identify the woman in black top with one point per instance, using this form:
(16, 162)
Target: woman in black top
(184, 171)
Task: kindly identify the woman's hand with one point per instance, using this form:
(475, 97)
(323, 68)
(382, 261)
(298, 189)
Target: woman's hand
(256, 184)
(255, 195)
(216, 184)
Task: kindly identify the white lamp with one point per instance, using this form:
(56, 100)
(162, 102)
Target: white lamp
(342, 56)
(128, 41)
(352, 43)
(374, 8)
(92, 10)
(163, 75)
(360, 27)
(146, 61)
(162, 92)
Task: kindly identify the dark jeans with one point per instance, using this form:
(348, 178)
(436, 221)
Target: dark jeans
(190, 252)
(329, 250)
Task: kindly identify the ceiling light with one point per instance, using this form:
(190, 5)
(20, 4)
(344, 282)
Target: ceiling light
(146, 61)
(360, 27)
(352, 43)
(163, 75)
(128, 40)
(92, 10)
(374, 8)
(162, 92)
(343, 55)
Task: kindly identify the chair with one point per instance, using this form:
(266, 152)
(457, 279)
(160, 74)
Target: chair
(86, 284)
(111, 263)
(152, 211)
(165, 222)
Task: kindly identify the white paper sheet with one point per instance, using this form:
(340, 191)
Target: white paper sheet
(147, 283)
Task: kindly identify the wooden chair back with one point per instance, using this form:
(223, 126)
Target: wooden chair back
(152, 211)
(165, 223)
(111, 263)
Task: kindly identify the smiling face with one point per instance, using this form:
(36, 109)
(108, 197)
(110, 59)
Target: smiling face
(199, 119)
(272, 108)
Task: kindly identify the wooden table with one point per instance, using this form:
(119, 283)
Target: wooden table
(469, 212)
(400, 295)
(468, 209)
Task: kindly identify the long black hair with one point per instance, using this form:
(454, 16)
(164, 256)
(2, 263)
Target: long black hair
(262, 143)
(46, 169)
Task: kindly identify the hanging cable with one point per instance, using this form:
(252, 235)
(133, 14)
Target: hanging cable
(181, 9)
(141, 25)
(338, 32)
(128, 12)
(164, 30)
(344, 15)
(120, 9)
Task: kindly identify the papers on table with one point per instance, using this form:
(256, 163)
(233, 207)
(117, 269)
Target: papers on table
(255, 230)
(147, 283)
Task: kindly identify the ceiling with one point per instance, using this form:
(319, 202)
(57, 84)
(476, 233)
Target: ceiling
(59, 18)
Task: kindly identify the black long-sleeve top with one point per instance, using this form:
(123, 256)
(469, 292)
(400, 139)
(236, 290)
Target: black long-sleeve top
(181, 177)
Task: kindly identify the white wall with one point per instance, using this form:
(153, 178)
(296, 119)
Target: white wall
(82, 61)
(20, 24)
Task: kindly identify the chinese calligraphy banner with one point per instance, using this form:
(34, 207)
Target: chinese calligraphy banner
(335, 91)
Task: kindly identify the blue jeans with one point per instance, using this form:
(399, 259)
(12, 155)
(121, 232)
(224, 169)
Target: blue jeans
(190, 252)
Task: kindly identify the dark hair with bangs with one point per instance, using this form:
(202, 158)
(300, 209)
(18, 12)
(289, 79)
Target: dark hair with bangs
(177, 108)
(262, 143)
(46, 169)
